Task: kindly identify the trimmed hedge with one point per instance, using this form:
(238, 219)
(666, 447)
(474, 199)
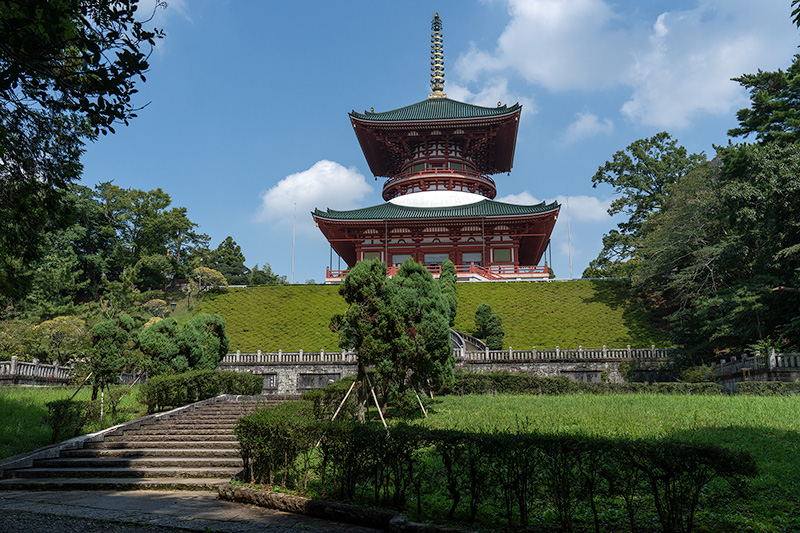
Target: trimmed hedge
(522, 478)
(166, 391)
(768, 388)
(506, 383)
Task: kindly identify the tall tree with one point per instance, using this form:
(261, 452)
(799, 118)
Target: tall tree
(489, 326)
(447, 281)
(642, 175)
(68, 70)
(228, 260)
(774, 114)
(425, 355)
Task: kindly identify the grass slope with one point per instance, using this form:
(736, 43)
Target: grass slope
(288, 318)
(565, 314)
(545, 315)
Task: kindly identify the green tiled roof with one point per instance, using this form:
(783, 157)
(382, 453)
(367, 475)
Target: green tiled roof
(436, 109)
(390, 211)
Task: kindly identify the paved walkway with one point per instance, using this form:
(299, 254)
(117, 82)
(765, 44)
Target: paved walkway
(147, 512)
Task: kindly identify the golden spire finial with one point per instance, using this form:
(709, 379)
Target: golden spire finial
(437, 58)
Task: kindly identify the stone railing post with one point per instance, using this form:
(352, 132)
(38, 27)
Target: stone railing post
(14, 360)
(630, 354)
(487, 353)
(36, 369)
(510, 353)
(580, 352)
(280, 356)
(533, 352)
(771, 358)
(558, 352)
(605, 352)
(653, 350)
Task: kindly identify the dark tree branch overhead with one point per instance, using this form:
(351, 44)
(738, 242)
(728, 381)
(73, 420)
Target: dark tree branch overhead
(68, 71)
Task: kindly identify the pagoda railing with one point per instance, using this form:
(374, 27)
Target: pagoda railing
(492, 273)
(465, 172)
(439, 180)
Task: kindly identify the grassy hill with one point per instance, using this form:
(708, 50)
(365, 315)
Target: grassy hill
(545, 315)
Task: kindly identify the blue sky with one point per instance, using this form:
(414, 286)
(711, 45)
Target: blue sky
(248, 100)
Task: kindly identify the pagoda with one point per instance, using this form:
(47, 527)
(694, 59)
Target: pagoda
(437, 157)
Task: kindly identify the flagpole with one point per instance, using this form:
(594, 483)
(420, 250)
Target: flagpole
(569, 239)
(294, 227)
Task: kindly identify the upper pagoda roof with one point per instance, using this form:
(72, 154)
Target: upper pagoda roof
(433, 109)
(392, 211)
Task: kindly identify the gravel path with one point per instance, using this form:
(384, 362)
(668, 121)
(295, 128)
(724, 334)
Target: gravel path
(148, 511)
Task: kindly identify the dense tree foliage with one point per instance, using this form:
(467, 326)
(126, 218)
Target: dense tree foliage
(397, 325)
(773, 114)
(447, 281)
(489, 326)
(68, 70)
(721, 246)
(642, 175)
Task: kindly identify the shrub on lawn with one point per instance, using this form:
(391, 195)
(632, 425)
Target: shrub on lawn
(166, 391)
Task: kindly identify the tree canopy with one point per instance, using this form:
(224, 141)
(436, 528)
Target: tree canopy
(397, 325)
(68, 70)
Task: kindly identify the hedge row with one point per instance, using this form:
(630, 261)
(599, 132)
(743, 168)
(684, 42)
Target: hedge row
(579, 482)
(768, 388)
(162, 392)
(505, 383)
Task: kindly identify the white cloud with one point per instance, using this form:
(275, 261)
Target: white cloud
(587, 125)
(674, 67)
(326, 184)
(582, 208)
(554, 43)
(494, 90)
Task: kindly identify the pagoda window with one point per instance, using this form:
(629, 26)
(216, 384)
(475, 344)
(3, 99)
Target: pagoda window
(399, 259)
(435, 259)
(501, 255)
(472, 258)
(419, 167)
(456, 166)
(371, 255)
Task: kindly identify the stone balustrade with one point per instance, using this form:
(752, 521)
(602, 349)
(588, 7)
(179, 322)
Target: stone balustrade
(593, 354)
(16, 372)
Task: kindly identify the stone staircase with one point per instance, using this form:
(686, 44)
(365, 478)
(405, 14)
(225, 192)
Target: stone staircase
(193, 447)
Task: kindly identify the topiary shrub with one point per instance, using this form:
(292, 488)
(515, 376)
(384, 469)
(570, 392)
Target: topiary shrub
(162, 392)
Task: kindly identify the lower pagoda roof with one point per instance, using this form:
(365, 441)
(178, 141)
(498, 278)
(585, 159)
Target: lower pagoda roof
(391, 211)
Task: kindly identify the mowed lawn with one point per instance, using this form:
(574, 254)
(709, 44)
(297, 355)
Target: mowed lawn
(767, 427)
(544, 314)
(23, 415)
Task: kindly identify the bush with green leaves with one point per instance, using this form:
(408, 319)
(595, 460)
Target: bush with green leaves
(521, 383)
(66, 418)
(162, 392)
(489, 326)
(768, 388)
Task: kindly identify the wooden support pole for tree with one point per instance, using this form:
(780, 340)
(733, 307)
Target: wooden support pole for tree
(378, 405)
(424, 412)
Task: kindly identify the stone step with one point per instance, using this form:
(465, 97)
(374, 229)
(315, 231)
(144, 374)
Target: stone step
(133, 437)
(231, 444)
(192, 448)
(161, 430)
(143, 472)
(114, 483)
(139, 462)
(153, 452)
